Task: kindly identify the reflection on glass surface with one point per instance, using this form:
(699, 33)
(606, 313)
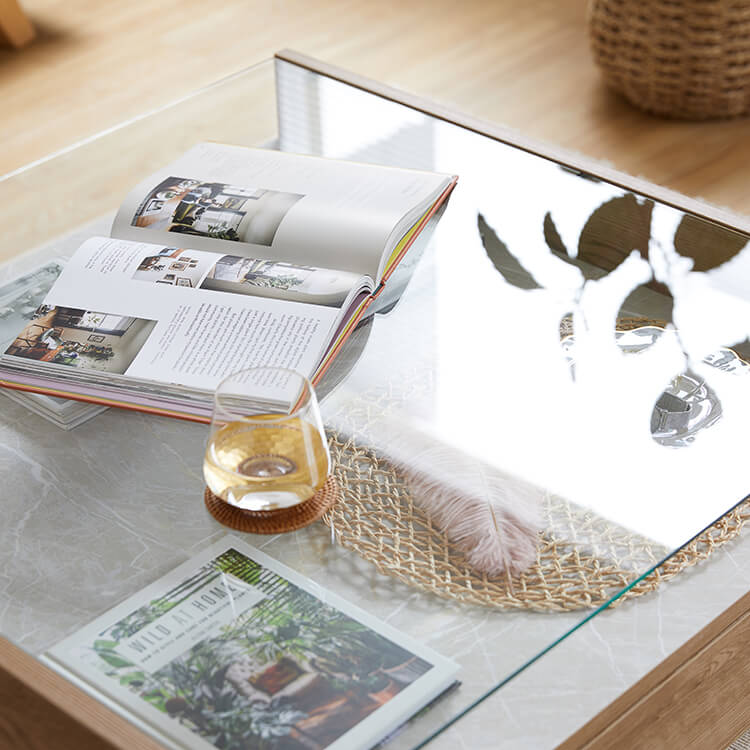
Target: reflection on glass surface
(688, 405)
(581, 247)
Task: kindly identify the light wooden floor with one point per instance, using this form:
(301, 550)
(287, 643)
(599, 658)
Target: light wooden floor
(526, 65)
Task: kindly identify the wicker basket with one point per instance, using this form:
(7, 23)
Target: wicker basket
(687, 59)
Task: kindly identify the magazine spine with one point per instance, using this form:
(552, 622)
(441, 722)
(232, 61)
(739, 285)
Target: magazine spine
(350, 328)
(422, 224)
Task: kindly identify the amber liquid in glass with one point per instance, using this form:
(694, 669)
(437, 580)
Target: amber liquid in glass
(260, 463)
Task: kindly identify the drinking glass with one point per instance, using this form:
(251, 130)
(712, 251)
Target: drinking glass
(267, 448)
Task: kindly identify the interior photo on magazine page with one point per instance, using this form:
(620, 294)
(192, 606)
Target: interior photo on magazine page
(20, 298)
(178, 316)
(272, 205)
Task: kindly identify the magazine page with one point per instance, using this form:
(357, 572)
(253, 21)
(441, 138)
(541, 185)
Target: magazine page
(20, 297)
(234, 649)
(281, 280)
(273, 205)
(19, 300)
(119, 308)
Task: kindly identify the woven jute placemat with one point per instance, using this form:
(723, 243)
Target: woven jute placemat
(582, 559)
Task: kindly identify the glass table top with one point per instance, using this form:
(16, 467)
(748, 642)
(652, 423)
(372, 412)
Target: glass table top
(527, 363)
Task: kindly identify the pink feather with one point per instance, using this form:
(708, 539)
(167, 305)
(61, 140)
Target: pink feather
(492, 518)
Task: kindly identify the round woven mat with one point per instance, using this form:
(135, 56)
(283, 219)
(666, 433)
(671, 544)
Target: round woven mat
(273, 521)
(582, 559)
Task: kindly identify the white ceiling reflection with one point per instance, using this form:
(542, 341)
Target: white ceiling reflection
(493, 379)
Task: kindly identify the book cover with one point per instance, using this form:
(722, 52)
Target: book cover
(234, 650)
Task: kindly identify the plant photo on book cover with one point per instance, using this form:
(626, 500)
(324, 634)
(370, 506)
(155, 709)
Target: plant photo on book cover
(242, 657)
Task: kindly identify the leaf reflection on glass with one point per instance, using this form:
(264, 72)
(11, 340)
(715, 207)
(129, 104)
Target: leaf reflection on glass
(611, 233)
(505, 263)
(616, 283)
(711, 307)
(709, 245)
(614, 229)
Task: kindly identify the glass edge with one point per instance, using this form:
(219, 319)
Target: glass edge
(590, 616)
(268, 61)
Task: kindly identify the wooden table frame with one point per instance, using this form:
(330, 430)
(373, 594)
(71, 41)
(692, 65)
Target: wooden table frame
(699, 697)
(696, 699)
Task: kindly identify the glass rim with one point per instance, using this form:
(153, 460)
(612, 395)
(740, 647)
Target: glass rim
(305, 396)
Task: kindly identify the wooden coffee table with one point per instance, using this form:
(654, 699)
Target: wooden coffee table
(94, 515)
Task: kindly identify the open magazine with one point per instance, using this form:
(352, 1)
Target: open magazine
(233, 649)
(19, 300)
(228, 258)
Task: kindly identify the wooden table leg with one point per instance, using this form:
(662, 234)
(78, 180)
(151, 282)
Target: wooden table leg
(40, 710)
(15, 27)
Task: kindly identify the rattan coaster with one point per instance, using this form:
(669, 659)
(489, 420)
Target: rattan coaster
(274, 521)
